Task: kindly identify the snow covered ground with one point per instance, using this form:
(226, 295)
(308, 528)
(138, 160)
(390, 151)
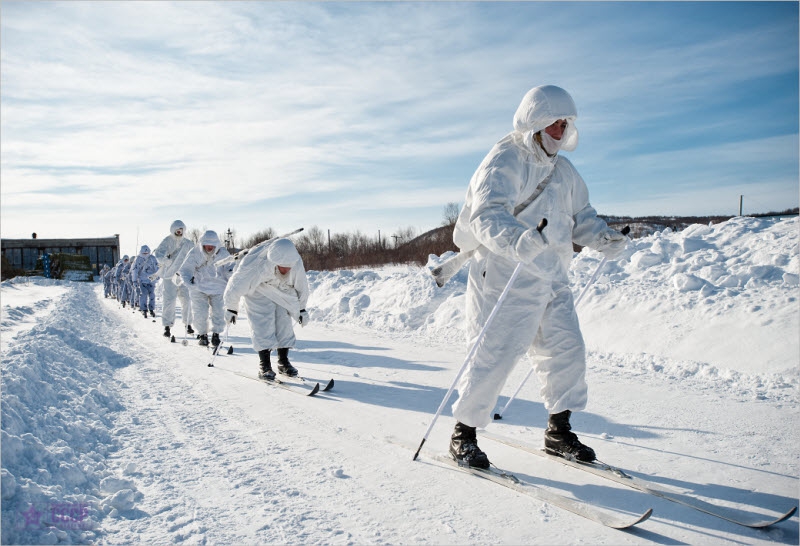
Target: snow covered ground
(110, 434)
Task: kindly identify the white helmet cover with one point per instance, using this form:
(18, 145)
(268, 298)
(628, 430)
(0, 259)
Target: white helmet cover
(541, 107)
(283, 253)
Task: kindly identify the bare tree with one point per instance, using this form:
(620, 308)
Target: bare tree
(259, 237)
(450, 214)
(195, 233)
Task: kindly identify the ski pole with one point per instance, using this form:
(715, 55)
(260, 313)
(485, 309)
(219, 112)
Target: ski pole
(216, 349)
(475, 345)
(498, 416)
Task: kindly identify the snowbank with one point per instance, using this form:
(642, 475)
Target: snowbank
(717, 297)
(57, 415)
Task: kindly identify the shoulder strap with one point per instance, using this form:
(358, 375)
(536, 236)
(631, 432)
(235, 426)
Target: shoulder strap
(536, 192)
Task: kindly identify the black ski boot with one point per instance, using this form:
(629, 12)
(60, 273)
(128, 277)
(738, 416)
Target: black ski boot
(145, 313)
(284, 366)
(166, 331)
(203, 340)
(559, 439)
(152, 313)
(215, 339)
(123, 304)
(265, 371)
(464, 447)
(189, 329)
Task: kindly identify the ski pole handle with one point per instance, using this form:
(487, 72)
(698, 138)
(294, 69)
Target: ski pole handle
(625, 231)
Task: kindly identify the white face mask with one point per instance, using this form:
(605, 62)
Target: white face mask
(550, 145)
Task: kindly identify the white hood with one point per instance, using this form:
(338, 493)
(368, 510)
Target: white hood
(542, 106)
(283, 253)
(176, 225)
(210, 238)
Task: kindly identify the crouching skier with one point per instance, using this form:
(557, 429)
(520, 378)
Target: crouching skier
(143, 267)
(521, 181)
(273, 283)
(206, 280)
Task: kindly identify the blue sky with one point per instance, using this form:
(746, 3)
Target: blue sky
(120, 117)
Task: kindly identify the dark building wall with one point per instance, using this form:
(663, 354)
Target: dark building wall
(23, 253)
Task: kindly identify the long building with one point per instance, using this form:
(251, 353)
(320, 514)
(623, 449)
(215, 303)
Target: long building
(23, 253)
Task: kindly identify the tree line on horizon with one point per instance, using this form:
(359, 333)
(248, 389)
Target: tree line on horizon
(324, 251)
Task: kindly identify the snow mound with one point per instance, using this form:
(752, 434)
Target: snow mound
(58, 421)
(729, 291)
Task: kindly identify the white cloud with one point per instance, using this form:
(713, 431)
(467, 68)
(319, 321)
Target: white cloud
(350, 113)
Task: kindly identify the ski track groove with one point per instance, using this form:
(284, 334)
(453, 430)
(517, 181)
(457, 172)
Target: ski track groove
(234, 453)
(223, 456)
(275, 476)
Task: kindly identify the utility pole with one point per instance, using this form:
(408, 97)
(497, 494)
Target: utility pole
(228, 239)
(741, 201)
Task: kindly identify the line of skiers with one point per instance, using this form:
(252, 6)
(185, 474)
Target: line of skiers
(129, 281)
(210, 283)
(521, 182)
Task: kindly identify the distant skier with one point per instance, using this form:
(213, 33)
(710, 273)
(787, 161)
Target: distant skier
(171, 253)
(522, 180)
(123, 269)
(114, 283)
(105, 274)
(144, 266)
(274, 286)
(206, 281)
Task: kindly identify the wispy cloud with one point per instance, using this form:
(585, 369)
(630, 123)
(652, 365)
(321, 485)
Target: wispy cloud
(374, 115)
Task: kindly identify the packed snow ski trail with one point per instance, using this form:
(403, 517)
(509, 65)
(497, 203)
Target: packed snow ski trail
(164, 448)
(554, 499)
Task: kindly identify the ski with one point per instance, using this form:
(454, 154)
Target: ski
(328, 386)
(306, 389)
(581, 508)
(618, 475)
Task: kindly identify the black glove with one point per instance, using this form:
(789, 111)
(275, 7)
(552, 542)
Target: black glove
(230, 315)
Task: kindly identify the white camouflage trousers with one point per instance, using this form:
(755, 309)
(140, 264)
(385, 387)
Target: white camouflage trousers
(172, 292)
(538, 317)
(271, 326)
(202, 303)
